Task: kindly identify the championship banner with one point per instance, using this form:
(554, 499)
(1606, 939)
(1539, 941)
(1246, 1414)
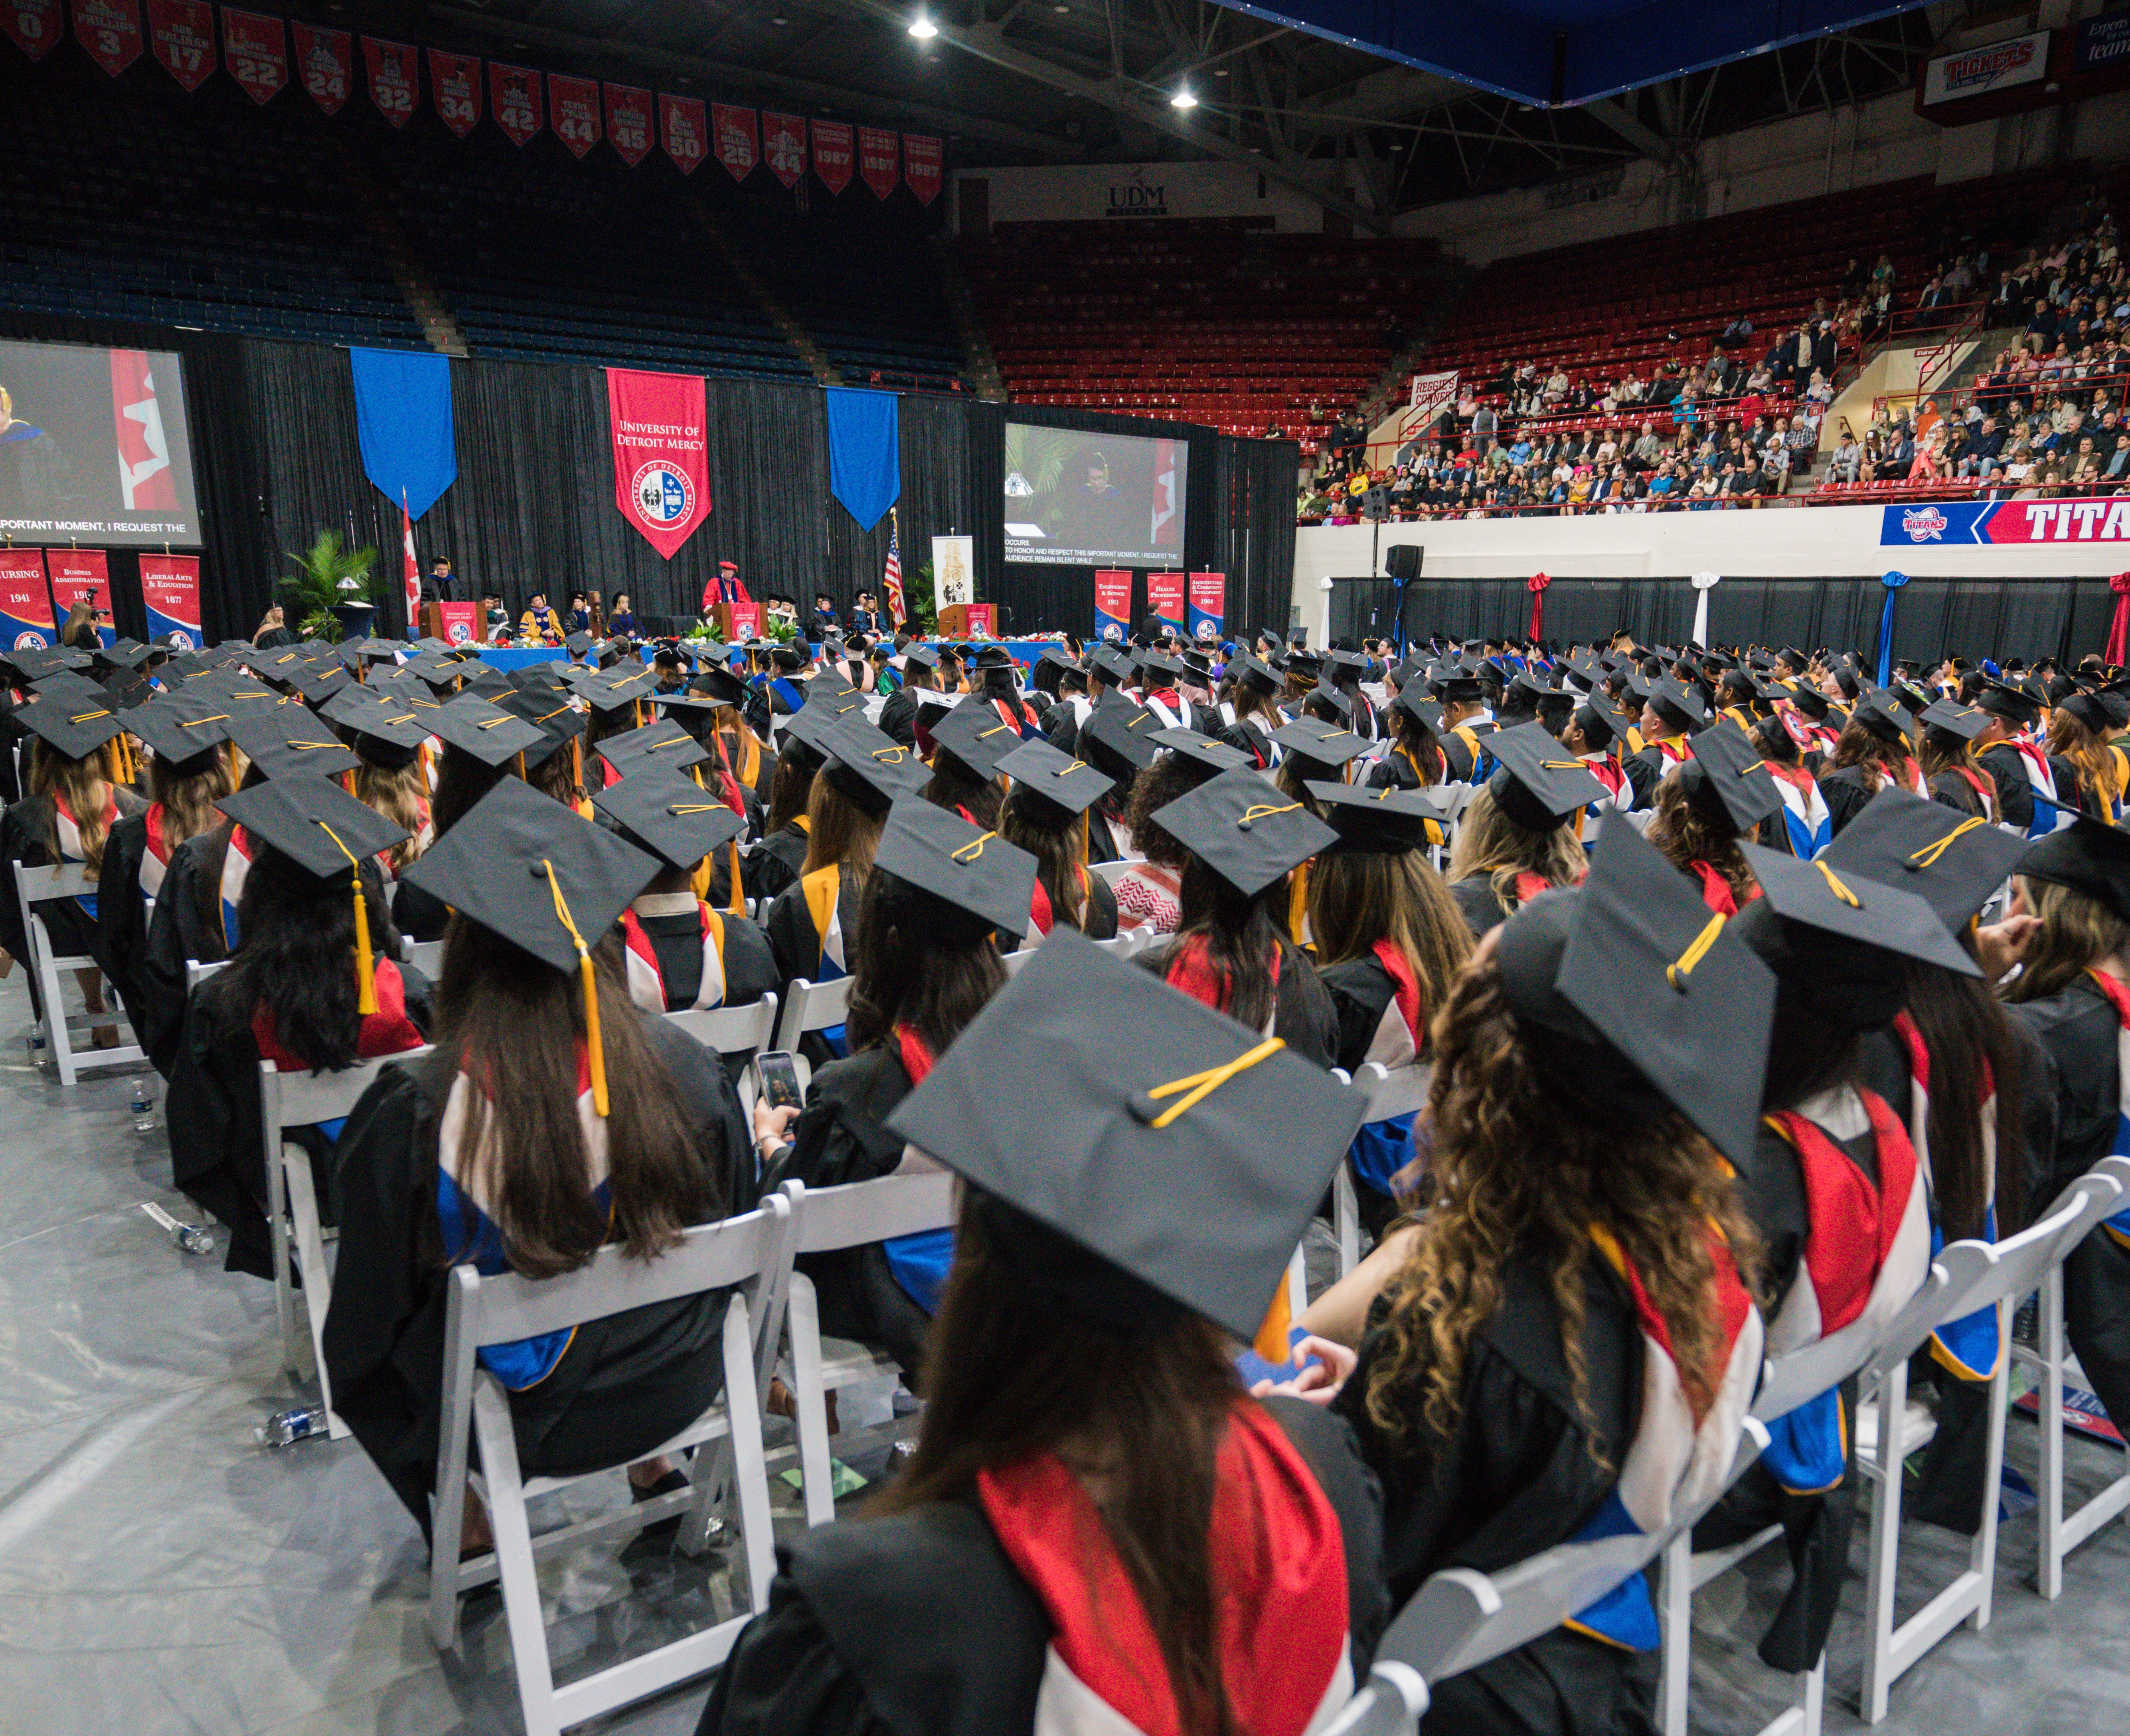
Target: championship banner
(461, 622)
(110, 30)
(514, 99)
(573, 111)
(662, 478)
(254, 48)
(81, 575)
(628, 122)
(395, 77)
(25, 605)
(924, 166)
(784, 146)
(880, 165)
(834, 153)
(1113, 593)
(1996, 523)
(1164, 598)
(680, 127)
(32, 26)
(734, 130)
(325, 62)
(455, 87)
(170, 587)
(1209, 605)
(181, 34)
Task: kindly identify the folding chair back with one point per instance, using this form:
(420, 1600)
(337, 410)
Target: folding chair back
(741, 1030)
(741, 1254)
(427, 957)
(814, 1006)
(287, 1100)
(1013, 961)
(1111, 872)
(36, 886)
(196, 972)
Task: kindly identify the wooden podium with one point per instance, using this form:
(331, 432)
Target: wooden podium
(968, 620)
(734, 621)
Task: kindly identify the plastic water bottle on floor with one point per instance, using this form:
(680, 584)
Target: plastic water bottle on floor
(144, 1106)
(191, 1238)
(285, 1427)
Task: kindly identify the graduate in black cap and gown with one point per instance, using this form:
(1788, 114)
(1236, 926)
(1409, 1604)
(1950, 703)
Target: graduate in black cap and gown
(1706, 805)
(1873, 750)
(1046, 815)
(1517, 837)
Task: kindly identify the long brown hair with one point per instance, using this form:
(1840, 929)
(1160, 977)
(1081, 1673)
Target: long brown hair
(1060, 852)
(2076, 934)
(1944, 750)
(1489, 843)
(789, 785)
(908, 968)
(1244, 935)
(2069, 738)
(1009, 1373)
(1967, 1036)
(1685, 833)
(1358, 898)
(1880, 759)
(396, 794)
(1522, 1164)
(188, 803)
(839, 833)
(516, 1027)
(85, 786)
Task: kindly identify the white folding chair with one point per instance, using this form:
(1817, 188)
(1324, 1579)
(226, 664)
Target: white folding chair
(1391, 1092)
(1014, 961)
(196, 972)
(426, 956)
(1967, 1276)
(1790, 1380)
(1461, 1618)
(35, 886)
(287, 1100)
(826, 1220)
(814, 1007)
(1126, 942)
(2061, 1532)
(728, 1031)
(1111, 872)
(742, 1254)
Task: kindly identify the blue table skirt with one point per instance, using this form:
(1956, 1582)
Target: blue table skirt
(520, 656)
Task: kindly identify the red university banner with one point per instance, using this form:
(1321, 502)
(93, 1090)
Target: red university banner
(879, 166)
(461, 622)
(455, 87)
(33, 25)
(833, 153)
(732, 130)
(662, 479)
(1165, 598)
(573, 111)
(181, 34)
(1209, 605)
(170, 587)
(25, 605)
(110, 30)
(325, 63)
(628, 122)
(784, 146)
(682, 125)
(514, 99)
(922, 166)
(255, 50)
(1113, 598)
(395, 77)
(80, 575)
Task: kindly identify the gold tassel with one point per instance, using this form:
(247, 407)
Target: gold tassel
(365, 974)
(595, 1054)
(739, 905)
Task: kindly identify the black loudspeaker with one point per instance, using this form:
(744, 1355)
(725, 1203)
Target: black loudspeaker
(1401, 561)
(1376, 504)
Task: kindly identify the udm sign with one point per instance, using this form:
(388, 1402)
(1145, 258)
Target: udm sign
(1136, 198)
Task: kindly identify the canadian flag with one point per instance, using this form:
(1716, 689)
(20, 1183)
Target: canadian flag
(410, 569)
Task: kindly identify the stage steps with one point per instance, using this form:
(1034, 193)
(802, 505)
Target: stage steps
(408, 270)
(977, 359)
(757, 286)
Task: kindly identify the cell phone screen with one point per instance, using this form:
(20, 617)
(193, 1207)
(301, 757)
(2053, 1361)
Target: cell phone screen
(779, 1079)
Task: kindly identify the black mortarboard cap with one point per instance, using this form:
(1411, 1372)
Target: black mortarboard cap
(1668, 692)
(663, 742)
(1211, 758)
(1726, 769)
(1255, 674)
(616, 690)
(1539, 784)
(73, 723)
(869, 767)
(719, 685)
(491, 734)
(386, 734)
(579, 643)
(300, 817)
(2089, 856)
(975, 738)
(1883, 715)
(1913, 845)
(1071, 785)
(1243, 830)
(1137, 1079)
(1966, 721)
(974, 872)
(548, 711)
(1318, 744)
(1119, 738)
(1383, 821)
(180, 730)
(660, 809)
(925, 657)
(291, 741)
(1855, 909)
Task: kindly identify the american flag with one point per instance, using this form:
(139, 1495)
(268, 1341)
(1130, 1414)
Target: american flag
(890, 580)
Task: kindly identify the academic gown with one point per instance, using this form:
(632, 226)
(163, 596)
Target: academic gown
(858, 1640)
(186, 926)
(623, 1385)
(1847, 794)
(1100, 917)
(676, 941)
(1520, 1474)
(1105, 842)
(898, 717)
(801, 950)
(1480, 905)
(1303, 1015)
(776, 864)
(2015, 794)
(1951, 790)
(418, 913)
(1646, 770)
(1362, 993)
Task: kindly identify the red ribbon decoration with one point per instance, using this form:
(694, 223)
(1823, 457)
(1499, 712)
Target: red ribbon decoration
(1535, 584)
(2118, 629)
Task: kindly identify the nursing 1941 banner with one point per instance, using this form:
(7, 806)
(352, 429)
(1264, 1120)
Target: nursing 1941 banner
(25, 605)
(661, 454)
(1209, 604)
(82, 575)
(1113, 593)
(170, 587)
(2007, 522)
(1164, 598)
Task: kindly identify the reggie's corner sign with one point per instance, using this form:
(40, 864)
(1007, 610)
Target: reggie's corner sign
(1994, 523)
(662, 478)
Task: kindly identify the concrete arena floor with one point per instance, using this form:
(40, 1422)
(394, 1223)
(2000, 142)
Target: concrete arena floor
(160, 1572)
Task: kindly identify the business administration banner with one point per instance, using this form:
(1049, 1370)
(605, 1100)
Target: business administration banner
(1113, 593)
(325, 64)
(573, 111)
(662, 478)
(81, 575)
(25, 605)
(1164, 598)
(254, 48)
(170, 587)
(1209, 605)
(1996, 523)
(181, 34)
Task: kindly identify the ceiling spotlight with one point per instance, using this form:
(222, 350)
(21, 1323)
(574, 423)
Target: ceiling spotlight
(1183, 98)
(780, 21)
(1061, 8)
(922, 28)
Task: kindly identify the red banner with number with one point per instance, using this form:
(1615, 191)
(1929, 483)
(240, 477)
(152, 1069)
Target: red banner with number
(110, 30)
(879, 165)
(1209, 605)
(573, 111)
(683, 125)
(325, 64)
(662, 479)
(254, 48)
(25, 605)
(924, 166)
(784, 146)
(834, 153)
(32, 26)
(514, 99)
(628, 122)
(1113, 590)
(732, 130)
(455, 87)
(395, 77)
(170, 587)
(181, 34)
(81, 575)
(1164, 598)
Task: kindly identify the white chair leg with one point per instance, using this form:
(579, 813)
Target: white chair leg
(802, 1316)
(513, 1559)
(1675, 1624)
(284, 1288)
(1983, 1552)
(1812, 1698)
(1883, 1564)
(318, 1277)
(57, 1041)
(2048, 1580)
(750, 1464)
(1346, 1218)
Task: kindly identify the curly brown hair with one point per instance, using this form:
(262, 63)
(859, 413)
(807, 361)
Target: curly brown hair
(1684, 834)
(1169, 779)
(1522, 1165)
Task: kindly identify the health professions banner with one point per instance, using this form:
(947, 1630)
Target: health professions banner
(1164, 598)
(169, 586)
(1113, 593)
(1209, 604)
(25, 605)
(83, 574)
(661, 454)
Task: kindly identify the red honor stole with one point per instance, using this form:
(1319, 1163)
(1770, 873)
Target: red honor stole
(386, 1032)
(647, 983)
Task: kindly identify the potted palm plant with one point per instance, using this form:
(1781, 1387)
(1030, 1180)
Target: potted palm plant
(330, 594)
